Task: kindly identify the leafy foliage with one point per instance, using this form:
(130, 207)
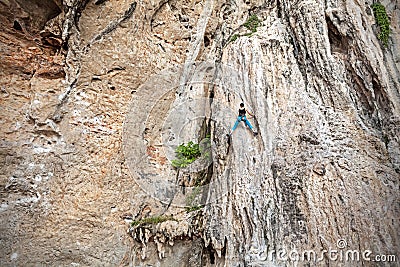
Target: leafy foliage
(205, 148)
(234, 37)
(152, 220)
(252, 23)
(186, 154)
(194, 208)
(191, 200)
(383, 22)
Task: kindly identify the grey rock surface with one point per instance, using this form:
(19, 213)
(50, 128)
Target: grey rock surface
(96, 95)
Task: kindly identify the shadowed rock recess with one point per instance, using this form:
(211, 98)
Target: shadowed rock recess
(97, 94)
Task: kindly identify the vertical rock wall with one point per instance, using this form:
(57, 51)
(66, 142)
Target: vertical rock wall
(324, 167)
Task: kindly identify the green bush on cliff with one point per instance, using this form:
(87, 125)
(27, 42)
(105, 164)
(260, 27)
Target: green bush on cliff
(234, 37)
(383, 22)
(194, 208)
(252, 23)
(186, 154)
(191, 200)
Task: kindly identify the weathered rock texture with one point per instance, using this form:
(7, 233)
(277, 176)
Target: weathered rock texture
(324, 167)
(327, 104)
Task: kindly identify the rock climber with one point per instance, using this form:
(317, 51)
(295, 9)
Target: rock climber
(242, 117)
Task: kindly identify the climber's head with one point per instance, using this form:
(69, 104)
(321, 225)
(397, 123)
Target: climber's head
(241, 105)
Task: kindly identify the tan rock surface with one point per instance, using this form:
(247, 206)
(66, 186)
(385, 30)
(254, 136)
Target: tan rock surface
(85, 121)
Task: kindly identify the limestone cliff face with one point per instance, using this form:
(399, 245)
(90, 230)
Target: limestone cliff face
(326, 110)
(95, 96)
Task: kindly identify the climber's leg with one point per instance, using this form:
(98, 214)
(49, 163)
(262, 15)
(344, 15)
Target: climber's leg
(239, 119)
(251, 127)
(247, 122)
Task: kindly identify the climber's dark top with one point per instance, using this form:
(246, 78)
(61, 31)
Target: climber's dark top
(242, 112)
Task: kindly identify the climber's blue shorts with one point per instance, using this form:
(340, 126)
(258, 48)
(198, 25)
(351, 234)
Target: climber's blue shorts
(239, 119)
